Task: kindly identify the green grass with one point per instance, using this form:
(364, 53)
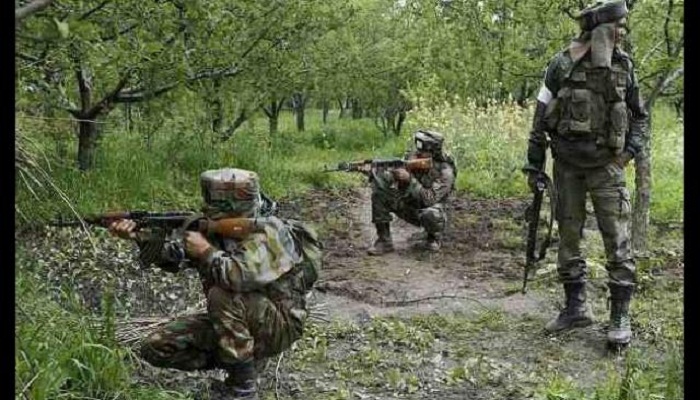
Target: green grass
(491, 352)
(62, 352)
(162, 173)
(130, 174)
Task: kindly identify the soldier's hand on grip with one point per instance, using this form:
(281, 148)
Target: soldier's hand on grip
(401, 175)
(532, 181)
(124, 228)
(623, 159)
(196, 245)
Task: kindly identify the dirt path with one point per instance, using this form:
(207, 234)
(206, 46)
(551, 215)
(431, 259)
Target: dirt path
(472, 271)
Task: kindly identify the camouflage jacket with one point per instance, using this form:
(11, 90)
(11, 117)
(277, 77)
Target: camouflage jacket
(424, 189)
(585, 153)
(283, 261)
(433, 186)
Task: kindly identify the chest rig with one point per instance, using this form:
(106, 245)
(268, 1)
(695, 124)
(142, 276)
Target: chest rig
(590, 105)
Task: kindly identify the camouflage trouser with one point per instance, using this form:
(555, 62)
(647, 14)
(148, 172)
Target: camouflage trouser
(236, 328)
(386, 201)
(611, 202)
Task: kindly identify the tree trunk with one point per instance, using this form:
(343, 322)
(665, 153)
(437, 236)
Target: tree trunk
(217, 108)
(299, 102)
(356, 109)
(642, 199)
(128, 119)
(678, 104)
(272, 110)
(274, 116)
(341, 113)
(399, 123)
(87, 131)
(273, 124)
(325, 107)
(87, 136)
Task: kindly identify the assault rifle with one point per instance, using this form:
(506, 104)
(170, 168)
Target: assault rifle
(170, 221)
(368, 166)
(542, 183)
(173, 220)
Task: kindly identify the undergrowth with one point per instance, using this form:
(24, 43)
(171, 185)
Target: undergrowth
(62, 351)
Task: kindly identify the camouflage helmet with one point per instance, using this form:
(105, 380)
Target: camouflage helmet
(428, 141)
(602, 12)
(231, 191)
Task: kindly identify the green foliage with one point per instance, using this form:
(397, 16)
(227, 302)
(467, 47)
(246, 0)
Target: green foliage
(641, 379)
(163, 172)
(63, 352)
(667, 165)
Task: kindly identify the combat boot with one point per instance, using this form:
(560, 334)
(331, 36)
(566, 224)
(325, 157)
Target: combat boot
(383, 244)
(577, 312)
(432, 242)
(240, 384)
(620, 330)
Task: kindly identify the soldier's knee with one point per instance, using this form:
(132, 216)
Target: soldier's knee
(432, 218)
(154, 351)
(221, 299)
(571, 271)
(622, 273)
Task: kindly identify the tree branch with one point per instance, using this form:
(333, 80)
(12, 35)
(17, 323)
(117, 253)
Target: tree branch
(141, 94)
(97, 8)
(661, 86)
(242, 117)
(28, 57)
(83, 86)
(107, 101)
(31, 8)
(123, 31)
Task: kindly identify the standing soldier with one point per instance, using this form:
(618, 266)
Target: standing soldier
(417, 198)
(592, 109)
(255, 286)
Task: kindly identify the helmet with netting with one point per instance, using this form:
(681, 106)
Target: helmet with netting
(428, 141)
(231, 191)
(602, 12)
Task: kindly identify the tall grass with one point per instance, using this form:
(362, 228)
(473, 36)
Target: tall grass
(640, 379)
(62, 352)
(490, 145)
(161, 172)
(133, 173)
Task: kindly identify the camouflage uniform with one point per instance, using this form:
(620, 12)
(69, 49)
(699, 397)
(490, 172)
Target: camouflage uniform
(420, 202)
(591, 107)
(255, 290)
